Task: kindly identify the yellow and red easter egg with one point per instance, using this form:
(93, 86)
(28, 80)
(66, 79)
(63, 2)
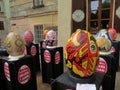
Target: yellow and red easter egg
(14, 44)
(81, 53)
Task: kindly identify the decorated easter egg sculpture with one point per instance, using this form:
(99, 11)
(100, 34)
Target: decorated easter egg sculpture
(45, 32)
(14, 44)
(81, 53)
(103, 40)
(28, 36)
(113, 33)
(51, 38)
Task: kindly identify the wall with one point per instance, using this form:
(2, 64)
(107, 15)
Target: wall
(64, 21)
(27, 23)
(118, 36)
(7, 8)
(4, 16)
(24, 16)
(25, 7)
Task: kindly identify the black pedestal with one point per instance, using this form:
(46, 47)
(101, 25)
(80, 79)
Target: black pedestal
(116, 45)
(37, 58)
(2, 79)
(52, 63)
(43, 44)
(19, 74)
(65, 81)
(33, 50)
(108, 82)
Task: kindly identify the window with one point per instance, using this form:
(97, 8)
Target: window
(38, 3)
(100, 13)
(1, 25)
(38, 30)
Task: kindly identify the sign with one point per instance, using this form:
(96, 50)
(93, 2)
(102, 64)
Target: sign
(102, 66)
(6, 71)
(57, 57)
(44, 45)
(24, 74)
(33, 50)
(85, 86)
(112, 49)
(47, 56)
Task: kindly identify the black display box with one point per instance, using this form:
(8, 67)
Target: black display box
(66, 82)
(19, 74)
(116, 45)
(33, 50)
(2, 79)
(43, 44)
(52, 63)
(108, 82)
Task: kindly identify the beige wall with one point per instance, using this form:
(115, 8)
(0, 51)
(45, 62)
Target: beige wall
(24, 16)
(64, 21)
(118, 36)
(25, 7)
(3, 17)
(47, 20)
(22, 24)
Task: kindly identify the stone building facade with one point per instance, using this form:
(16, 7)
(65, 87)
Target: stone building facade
(34, 15)
(4, 21)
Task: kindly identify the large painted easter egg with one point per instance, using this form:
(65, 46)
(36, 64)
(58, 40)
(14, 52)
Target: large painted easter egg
(104, 44)
(45, 32)
(51, 38)
(104, 33)
(14, 44)
(104, 40)
(28, 36)
(113, 33)
(81, 53)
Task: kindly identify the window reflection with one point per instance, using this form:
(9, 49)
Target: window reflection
(94, 14)
(94, 25)
(105, 3)
(104, 23)
(99, 14)
(94, 5)
(105, 14)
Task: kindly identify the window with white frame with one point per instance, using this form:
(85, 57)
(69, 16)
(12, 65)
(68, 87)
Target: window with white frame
(38, 3)
(38, 30)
